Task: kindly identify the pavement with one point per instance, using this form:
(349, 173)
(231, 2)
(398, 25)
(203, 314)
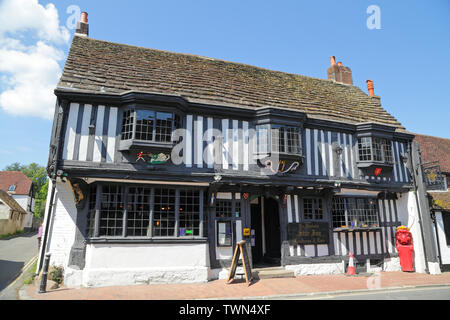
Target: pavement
(16, 255)
(277, 288)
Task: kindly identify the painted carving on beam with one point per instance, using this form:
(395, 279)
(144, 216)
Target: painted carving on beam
(152, 158)
(283, 167)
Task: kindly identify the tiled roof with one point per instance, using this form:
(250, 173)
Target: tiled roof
(441, 200)
(19, 179)
(435, 149)
(104, 67)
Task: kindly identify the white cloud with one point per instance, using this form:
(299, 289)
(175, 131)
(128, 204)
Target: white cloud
(30, 72)
(28, 15)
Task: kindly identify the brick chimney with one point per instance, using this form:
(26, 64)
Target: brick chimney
(339, 73)
(83, 26)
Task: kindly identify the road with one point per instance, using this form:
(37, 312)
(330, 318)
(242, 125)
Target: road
(423, 293)
(15, 253)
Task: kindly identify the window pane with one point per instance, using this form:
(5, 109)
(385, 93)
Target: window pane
(338, 213)
(224, 234)
(387, 149)
(164, 127)
(127, 125)
(164, 213)
(111, 211)
(364, 148)
(308, 209)
(189, 213)
(293, 141)
(138, 215)
(318, 209)
(377, 149)
(224, 208)
(262, 137)
(145, 120)
(277, 139)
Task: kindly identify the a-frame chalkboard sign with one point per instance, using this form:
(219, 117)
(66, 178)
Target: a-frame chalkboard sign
(242, 248)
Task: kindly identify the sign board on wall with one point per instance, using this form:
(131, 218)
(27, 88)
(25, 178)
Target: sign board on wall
(308, 233)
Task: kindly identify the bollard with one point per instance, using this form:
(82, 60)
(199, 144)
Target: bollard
(43, 286)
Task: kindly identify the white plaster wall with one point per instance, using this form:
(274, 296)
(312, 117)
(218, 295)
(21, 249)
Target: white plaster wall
(5, 211)
(133, 264)
(409, 216)
(317, 268)
(62, 228)
(23, 201)
(445, 249)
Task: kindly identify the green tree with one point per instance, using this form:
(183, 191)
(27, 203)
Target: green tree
(40, 201)
(14, 167)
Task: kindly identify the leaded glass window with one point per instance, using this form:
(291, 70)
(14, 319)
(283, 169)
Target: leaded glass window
(375, 149)
(312, 209)
(138, 211)
(189, 213)
(111, 211)
(348, 212)
(164, 213)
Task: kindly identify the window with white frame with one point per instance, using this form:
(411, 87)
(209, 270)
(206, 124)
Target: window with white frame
(278, 139)
(149, 125)
(375, 149)
(350, 212)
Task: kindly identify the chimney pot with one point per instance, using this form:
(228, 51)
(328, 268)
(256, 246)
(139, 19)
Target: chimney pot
(340, 64)
(84, 17)
(333, 60)
(370, 87)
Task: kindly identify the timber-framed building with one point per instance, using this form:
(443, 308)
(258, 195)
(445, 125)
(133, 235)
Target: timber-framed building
(161, 162)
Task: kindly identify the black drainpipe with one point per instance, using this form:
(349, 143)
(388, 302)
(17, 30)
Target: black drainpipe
(52, 171)
(418, 204)
(433, 218)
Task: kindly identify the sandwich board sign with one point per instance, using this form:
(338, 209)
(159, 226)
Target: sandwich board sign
(240, 251)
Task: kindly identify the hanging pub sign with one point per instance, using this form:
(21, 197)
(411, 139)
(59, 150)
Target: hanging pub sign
(308, 233)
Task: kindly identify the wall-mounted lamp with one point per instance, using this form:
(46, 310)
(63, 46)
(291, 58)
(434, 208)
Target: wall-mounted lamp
(404, 158)
(217, 178)
(339, 150)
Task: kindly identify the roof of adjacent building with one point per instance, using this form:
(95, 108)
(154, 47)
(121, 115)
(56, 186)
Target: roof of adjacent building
(10, 202)
(441, 200)
(96, 66)
(19, 179)
(435, 149)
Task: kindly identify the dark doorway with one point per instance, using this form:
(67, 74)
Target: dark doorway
(272, 231)
(271, 234)
(257, 249)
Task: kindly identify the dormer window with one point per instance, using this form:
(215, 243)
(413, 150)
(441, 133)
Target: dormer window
(148, 127)
(12, 188)
(372, 149)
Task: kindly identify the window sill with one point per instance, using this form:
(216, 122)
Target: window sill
(147, 240)
(126, 145)
(368, 164)
(356, 229)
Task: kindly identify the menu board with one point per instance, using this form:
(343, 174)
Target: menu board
(241, 250)
(308, 233)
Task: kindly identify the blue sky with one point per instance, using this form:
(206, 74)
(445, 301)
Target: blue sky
(408, 58)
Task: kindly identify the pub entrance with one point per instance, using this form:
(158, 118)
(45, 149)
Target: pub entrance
(265, 221)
